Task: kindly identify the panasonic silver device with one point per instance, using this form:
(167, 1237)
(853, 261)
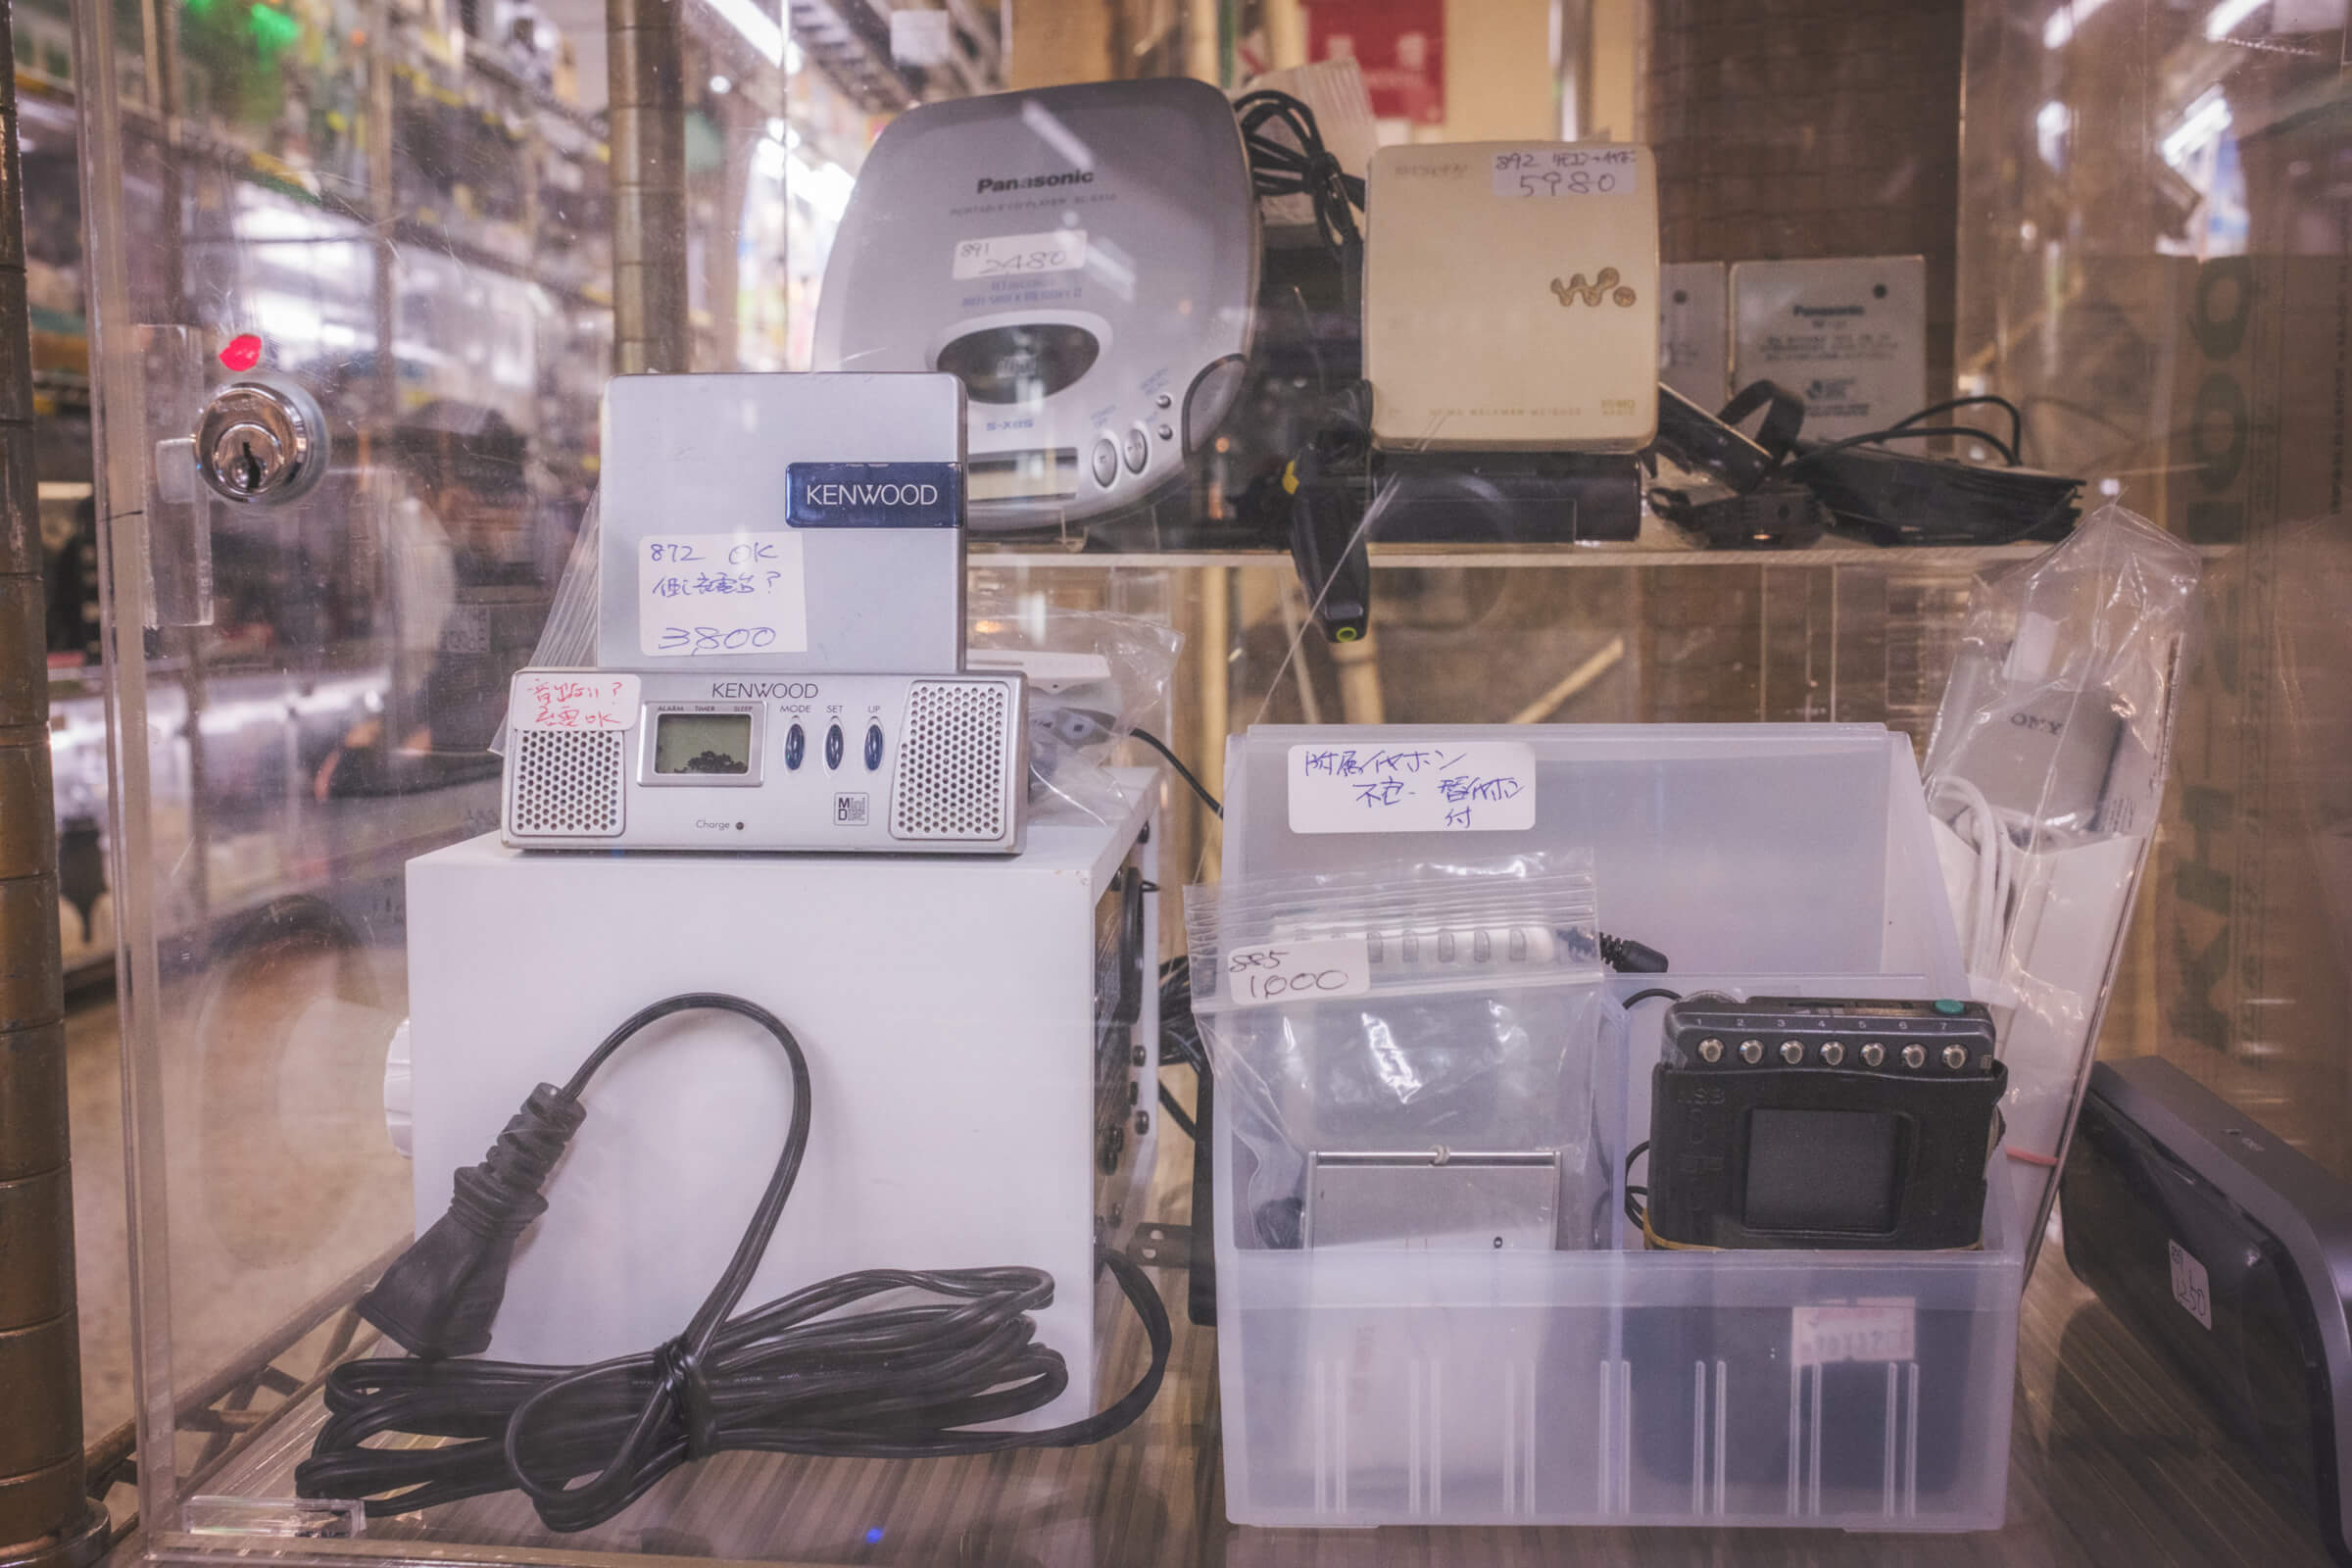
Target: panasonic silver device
(1083, 259)
(689, 759)
(782, 523)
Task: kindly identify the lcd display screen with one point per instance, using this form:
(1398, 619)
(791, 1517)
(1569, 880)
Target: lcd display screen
(703, 742)
(1043, 474)
(1823, 1171)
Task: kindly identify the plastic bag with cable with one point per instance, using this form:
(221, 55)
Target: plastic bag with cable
(1094, 677)
(2044, 776)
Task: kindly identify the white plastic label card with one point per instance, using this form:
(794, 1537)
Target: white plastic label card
(1296, 971)
(2191, 1287)
(709, 595)
(572, 699)
(1847, 333)
(1009, 255)
(1566, 172)
(1413, 787)
(1866, 1331)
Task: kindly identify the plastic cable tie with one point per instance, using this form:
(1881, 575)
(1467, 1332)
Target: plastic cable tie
(682, 1376)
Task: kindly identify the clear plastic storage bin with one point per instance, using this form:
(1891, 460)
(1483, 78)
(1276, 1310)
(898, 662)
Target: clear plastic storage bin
(1861, 1389)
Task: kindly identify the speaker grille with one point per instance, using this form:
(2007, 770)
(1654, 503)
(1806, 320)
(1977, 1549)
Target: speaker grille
(952, 759)
(567, 784)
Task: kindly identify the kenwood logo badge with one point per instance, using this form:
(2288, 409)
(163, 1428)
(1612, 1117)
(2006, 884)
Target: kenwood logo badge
(1069, 177)
(1576, 289)
(873, 495)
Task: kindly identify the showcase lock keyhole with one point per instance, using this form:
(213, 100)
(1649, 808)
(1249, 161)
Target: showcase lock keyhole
(261, 440)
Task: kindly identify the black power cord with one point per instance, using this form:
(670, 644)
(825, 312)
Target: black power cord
(1302, 165)
(1182, 771)
(798, 1375)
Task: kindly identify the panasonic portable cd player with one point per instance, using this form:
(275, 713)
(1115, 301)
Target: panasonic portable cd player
(1083, 259)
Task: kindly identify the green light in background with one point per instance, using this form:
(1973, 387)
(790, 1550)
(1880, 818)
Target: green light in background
(274, 31)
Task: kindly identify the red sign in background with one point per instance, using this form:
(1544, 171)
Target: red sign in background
(1400, 45)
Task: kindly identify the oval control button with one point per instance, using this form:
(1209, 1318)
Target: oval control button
(873, 747)
(1138, 450)
(1106, 462)
(796, 747)
(833, 747)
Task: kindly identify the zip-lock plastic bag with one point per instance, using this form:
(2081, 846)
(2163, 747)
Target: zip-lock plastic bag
(1415, 1059)
(1094, 675)
(2046, 774)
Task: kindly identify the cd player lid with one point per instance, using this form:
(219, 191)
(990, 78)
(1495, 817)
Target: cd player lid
(1154, 170)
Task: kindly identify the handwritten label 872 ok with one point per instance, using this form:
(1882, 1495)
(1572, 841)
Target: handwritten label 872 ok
(714, 594)
(1296, 971)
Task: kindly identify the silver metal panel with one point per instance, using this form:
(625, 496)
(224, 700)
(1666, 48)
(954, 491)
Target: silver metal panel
(1434, 1199)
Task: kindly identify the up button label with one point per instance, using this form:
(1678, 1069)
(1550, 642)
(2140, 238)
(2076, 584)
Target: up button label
(874, 494)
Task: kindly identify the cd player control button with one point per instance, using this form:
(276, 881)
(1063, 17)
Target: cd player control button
(796, 747)
(1106, 462)
(1164, 401)
(873, 747)
(1138, 450)
(1166, 432)
(833, 747)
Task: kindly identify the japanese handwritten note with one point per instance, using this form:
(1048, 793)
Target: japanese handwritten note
(712, 595)
(1525, 171)
(1413, 787)
(572, 699)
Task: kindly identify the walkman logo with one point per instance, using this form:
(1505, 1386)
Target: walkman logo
(874, 494)
(1577, 290)
(1068, 177)
(1827, 309)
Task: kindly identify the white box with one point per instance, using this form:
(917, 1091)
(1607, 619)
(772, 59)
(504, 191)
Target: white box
(947, 1009)
(1618, 1386)
(698, 493)
(1848, 334)
(1511, 296)
(1694, 331)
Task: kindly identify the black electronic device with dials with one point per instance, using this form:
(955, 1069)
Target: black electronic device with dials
(1797, 1122)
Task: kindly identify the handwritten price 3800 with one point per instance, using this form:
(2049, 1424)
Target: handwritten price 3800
(714, 639)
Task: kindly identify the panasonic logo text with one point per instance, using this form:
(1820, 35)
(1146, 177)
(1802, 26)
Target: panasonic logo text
(1827, 309)
(1069, 177)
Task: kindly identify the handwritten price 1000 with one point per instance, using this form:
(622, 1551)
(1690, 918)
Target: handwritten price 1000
(1262, 974)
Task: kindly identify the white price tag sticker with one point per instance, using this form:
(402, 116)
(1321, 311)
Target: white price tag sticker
(1524, 172)
(1866, 1331)
(1296, 971)
(1012, 255)
(1457, 787)
(580, 699)
(2191, 1287)
(711, 595)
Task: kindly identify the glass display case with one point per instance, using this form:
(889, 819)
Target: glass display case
(447, 222)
